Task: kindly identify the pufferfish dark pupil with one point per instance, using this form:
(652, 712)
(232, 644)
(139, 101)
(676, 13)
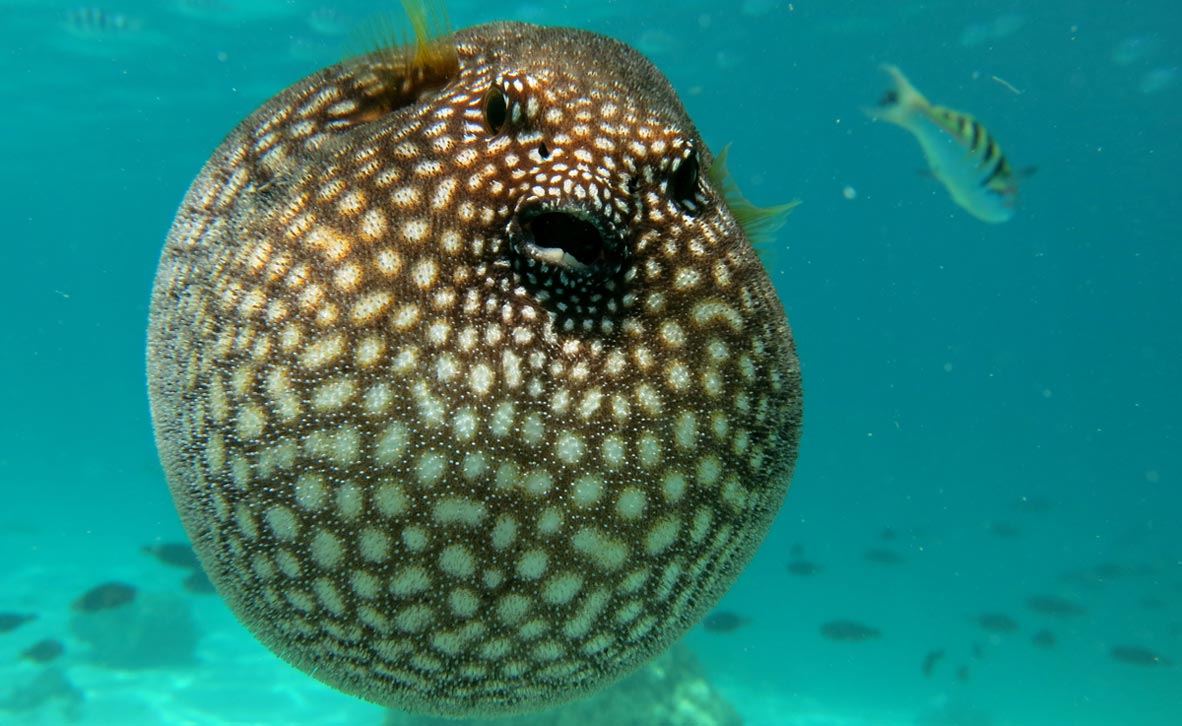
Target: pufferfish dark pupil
(455, 425)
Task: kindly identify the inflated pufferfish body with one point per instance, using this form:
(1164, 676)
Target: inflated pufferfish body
(471, 393)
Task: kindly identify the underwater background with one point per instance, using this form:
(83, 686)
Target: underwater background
(989, 478)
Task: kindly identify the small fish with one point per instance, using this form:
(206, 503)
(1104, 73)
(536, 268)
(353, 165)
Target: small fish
(198, 583)
(882, 556)
(1032, 504)
(97, 24)
(978, 651)
(1135, 49)
(1136, 655)
(931, 660)
(104, 597)
(327, 20)
(803, 568)
(1158, 80)
(724, 621)
(1054, 606)
(1044, 639)
(849, 630)
(997, 622)
(1109, 571)
(12, 621)
(962, 674)
(1083, 578)
(1005, 530)
(888, 534)
(962, 155)
(1152, 602)
(44, 651)
(49, 686)
(174, 554)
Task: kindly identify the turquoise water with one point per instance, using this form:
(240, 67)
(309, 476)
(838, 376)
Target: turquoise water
(994, 404)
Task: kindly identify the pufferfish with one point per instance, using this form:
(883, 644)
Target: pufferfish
(471, 392)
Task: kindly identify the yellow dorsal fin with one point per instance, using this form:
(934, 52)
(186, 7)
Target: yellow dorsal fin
(434, 44)
(407, 67)
(759, 223)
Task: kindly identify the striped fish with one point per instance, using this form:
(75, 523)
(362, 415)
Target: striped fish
(960, 151)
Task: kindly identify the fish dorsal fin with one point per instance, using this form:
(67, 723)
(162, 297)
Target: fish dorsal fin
(758, 223)
(404, 68)
(434, 49)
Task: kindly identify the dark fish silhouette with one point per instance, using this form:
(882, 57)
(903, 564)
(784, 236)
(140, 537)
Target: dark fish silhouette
(849, 630)
(12, 621)
(1032, 505)
(1043, 639)
(997, 622)
(978, 651)
(44, 651)
(50, 686)
(888, 534)
(104, 597)
(1054, 606)
(931, 660)
(797, 550)
(198, 584)
(882, 556)
(1084, 578)
(962, 674)
(1137, 655)
(1109, 571)
(1002, 529)
(1152, 602)
(724, 621)
(803, 568)
(174, 554)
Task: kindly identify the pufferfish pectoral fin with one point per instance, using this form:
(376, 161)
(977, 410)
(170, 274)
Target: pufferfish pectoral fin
(758, 223)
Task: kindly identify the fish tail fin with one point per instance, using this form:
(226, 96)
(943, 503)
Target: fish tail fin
(901, 102)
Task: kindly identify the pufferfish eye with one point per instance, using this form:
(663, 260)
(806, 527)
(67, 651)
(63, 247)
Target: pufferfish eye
(496, 109)
(683, 185)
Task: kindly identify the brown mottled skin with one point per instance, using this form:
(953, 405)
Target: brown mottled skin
(472, 397)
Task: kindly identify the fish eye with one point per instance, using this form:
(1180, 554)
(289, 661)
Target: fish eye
(683, 185)
(496, 109)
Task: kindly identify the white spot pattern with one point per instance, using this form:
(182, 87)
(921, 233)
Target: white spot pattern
(441, 462)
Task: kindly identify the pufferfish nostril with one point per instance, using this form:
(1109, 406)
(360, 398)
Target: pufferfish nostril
(574, 237)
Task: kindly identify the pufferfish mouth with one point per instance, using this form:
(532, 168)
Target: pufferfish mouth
(564, 238)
